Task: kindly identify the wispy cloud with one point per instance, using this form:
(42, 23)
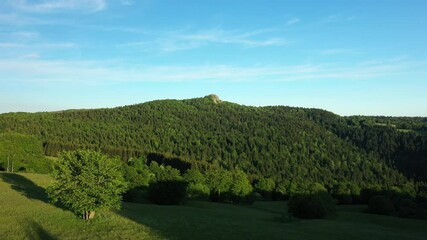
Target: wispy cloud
(127, 2)
(24, 35)
(233, 37)
(184, 40)
(37, 46)
(17, 19)
(11, 45)
(37, 71)
(336, 51)
(293, 21)
(58, 5)
(336, 18)
(31, 56)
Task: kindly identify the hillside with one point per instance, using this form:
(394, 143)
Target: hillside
(292, 145)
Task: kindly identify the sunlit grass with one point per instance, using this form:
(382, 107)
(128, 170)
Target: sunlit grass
(24, 213)
(23, 216)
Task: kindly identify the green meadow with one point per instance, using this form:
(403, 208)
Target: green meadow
(25, 213)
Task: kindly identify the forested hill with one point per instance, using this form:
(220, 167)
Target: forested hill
(285, 143)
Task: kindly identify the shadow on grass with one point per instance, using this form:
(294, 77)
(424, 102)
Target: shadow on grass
(28, 188)
(204, 220)
(36, 231)
(25, 186)
(149, 215)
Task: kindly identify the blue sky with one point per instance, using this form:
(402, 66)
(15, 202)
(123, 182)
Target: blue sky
(349, 57)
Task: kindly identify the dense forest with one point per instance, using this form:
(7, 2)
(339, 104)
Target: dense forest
(291, 147)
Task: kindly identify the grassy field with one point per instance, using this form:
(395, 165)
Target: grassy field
(25, 214)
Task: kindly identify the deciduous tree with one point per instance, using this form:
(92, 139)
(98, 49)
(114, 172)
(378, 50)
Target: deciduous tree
(87, 181)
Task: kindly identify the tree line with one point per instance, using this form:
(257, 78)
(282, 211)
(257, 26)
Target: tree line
(288, 148)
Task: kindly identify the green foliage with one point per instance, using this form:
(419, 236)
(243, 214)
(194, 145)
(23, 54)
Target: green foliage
(197, 187)
(164, 173)
(137, 173)
(311, 206)
(265, 186)
(219, 182)
(421, 191)
(167, 192)
(346, 193)
(194, 176)
(408, 208)
(380, 204)
(22, 153)
(198, 191)
(301, 146)
(397, 203)
(87, 181)
(241, 188)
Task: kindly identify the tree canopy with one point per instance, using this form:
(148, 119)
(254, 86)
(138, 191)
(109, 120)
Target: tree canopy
(294, 147)
(86, 181)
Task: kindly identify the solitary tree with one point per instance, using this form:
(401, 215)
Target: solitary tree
(87, 181)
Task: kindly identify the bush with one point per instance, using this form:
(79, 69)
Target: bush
(380, 204)
(407, 208)
(171, 192)
(310, 206)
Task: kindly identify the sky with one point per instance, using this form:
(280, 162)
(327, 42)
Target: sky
(351, 57)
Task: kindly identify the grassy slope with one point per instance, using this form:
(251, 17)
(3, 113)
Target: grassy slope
(24, 213)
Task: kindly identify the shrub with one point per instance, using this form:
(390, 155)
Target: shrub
(310, 206)
(170, 192)
(380, 204)
(407, 208)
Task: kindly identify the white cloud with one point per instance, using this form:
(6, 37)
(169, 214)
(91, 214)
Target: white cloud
(293, 21)
(43, 6)
(37, 71)
(170, 41)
